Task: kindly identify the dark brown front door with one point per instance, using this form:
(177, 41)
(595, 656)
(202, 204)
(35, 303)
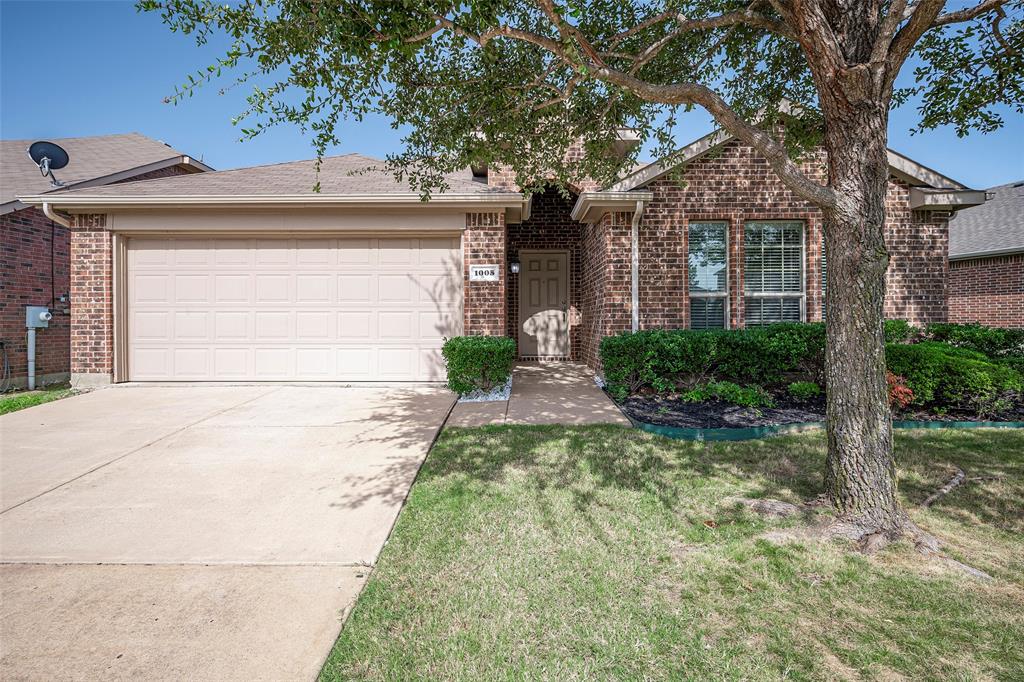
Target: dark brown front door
(544, 303)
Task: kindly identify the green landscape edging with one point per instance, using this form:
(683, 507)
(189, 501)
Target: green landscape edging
(754, 432)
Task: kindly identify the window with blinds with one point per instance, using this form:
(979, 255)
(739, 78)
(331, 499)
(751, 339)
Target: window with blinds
(773, 272)
(707, 271)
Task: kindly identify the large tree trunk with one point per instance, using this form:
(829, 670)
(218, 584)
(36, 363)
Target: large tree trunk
(860, 476)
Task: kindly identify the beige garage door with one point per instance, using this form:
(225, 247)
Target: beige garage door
(333, 309)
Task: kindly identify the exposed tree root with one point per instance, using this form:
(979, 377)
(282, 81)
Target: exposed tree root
(868, 540)
(958, 479)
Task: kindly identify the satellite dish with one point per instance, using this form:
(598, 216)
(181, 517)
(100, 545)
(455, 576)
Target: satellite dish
(49, 157)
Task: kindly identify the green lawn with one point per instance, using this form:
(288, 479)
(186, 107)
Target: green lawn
(601, 552)
(23, 399)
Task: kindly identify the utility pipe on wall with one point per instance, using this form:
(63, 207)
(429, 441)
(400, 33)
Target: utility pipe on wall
(634, 266)
(31, 350)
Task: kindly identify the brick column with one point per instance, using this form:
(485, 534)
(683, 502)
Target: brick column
(92, 302)
(483, 243)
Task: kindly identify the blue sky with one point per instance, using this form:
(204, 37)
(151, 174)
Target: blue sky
(107, 69)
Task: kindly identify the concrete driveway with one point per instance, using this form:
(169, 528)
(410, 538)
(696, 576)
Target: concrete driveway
(204, 532)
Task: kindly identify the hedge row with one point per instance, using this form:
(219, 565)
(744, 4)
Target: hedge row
(669, 361)
(940, 375)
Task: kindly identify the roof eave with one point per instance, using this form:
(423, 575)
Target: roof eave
(945, 199)
(86, 203)
(901, 166)
(590, 206)
(993, 253)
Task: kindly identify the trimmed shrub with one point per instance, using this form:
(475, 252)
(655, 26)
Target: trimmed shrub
(804, 390)
(994, 342)
(478, 362)
(667, 361)
(954, 378)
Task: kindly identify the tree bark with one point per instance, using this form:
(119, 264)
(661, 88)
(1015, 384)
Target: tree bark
(860, 476)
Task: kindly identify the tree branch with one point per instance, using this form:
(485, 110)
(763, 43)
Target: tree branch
(593, 66)
(694, 93)
(967, 14)
(922, 19)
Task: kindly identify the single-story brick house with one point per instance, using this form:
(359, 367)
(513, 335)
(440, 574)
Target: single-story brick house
(249, 274)
(34, 257)
(986, 260)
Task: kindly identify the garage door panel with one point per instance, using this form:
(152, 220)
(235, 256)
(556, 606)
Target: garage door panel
(232, 363)
(191, 289)
(192, 326)
(338, 309)
(273, 288)
(191, 363)
(357, 325)
(151, 288)
(232, 289)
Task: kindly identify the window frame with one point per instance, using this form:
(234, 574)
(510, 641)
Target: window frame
(725, 293)
(779, 295)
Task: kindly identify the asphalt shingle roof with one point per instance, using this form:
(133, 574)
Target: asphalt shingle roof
(993, 227)
(347, 175)
(90, 158)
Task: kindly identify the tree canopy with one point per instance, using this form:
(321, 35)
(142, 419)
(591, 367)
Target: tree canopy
(485, 81)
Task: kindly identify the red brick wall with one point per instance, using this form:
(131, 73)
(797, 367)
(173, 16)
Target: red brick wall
(483, 243)
(593, 284)
(735, 185)
(549, 227)
(34, 263)
(92, 296)
(988, 291)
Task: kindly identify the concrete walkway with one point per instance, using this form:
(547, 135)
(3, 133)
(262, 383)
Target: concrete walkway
(545, 393)
(198, 532)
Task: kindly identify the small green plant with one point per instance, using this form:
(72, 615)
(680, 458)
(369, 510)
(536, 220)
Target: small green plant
(728, 392)
(804, 390)
(899, 331)
(478, 362)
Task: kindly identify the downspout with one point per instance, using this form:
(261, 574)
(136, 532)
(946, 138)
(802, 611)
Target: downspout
(634, 266)
(60, 218)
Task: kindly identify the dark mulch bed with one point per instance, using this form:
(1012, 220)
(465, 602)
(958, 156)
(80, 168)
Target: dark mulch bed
(718, 415)
(670, 411)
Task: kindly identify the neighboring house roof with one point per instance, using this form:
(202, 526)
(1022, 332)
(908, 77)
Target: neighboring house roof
(344, 180)
(996, 227)
(97, 160)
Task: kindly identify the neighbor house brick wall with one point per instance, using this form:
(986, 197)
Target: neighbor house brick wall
(34, 263)
(92, 296)
(25, 263)
(549, 228)
(483, 243)
(988, 291)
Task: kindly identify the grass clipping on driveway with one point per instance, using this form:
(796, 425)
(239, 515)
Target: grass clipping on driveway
(597, 552)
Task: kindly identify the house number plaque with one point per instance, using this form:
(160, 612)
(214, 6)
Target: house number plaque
(484, 273)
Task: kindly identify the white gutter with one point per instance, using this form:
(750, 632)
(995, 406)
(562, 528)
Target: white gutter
(86, 201)
(634, 266)
(61, 219)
